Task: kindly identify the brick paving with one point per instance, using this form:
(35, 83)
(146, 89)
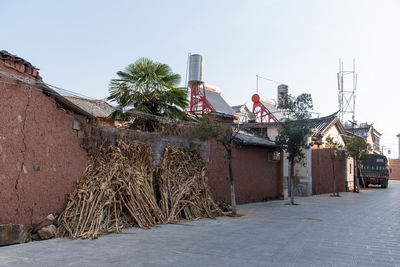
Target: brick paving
(353, 230)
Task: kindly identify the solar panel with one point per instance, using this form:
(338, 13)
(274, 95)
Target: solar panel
(218, 103)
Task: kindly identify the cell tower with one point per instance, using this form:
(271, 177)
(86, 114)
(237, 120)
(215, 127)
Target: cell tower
(347, 93)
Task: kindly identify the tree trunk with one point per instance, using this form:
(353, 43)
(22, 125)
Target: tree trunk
(356, 176)
(334, 178)
(233, 196)
(291, 182)
(319, 173)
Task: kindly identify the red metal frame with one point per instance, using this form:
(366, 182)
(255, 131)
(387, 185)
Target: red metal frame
(262, 114)
(198, 103)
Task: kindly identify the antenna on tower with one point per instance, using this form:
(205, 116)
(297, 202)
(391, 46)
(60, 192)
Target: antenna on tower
(347, 93)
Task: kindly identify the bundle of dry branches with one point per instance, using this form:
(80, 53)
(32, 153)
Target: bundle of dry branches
(115, 192)
(183, 187)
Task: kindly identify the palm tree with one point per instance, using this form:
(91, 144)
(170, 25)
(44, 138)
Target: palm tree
(149, 87)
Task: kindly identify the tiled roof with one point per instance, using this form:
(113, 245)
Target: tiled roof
(253, 140)
(97, 108)
(5, 55)
(236, 109)
(319, 125)
(257, 125)
(19, 64)
(361, 129)
(244, 111)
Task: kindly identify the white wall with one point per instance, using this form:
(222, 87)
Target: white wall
(302, 171)
(272, 133)
(350, 173)
(334, 133)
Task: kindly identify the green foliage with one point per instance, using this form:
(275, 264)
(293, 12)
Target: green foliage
(294, 132)
(215, 129)
(357, 148)
(149, 87)
(334, 147)
(297, 108)
(224, 135)
(335, 151)
(295, 128)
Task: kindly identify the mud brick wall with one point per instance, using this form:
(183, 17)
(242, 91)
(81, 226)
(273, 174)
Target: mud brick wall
(394, 169)
(322, 172)
(257, 177)
(40, 154)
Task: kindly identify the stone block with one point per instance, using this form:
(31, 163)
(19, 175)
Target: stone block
(45, 222)
(47, 232)
(11, 234)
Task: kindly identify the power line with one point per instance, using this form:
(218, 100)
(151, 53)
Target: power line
(38, 85)
(267, 79)
(68, 92)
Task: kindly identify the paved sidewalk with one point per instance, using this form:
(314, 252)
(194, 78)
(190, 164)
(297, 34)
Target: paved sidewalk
(353, 230)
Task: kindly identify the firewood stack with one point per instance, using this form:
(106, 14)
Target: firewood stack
(116, 191)
(182, 183)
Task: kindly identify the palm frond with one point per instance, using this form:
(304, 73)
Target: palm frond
(151, 87)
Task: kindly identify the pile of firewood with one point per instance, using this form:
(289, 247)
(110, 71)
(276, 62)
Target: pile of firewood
(115, 191)
(182, 183)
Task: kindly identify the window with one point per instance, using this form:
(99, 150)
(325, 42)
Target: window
(350, 168)
(276, 155)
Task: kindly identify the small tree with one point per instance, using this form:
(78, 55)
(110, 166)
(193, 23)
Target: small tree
(294, 131)
(335, 151)
(359, 150)
(224, 135)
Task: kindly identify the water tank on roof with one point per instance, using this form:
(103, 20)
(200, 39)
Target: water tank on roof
(258, 98)
(212, 88)
(282, 93)
(196, 68)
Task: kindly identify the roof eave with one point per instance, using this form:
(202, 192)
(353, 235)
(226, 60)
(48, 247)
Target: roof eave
(256, 144)
(64, 102)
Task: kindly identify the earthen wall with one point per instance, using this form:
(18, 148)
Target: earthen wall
(40, 153)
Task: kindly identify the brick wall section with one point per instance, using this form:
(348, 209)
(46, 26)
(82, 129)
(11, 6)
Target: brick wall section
(322, 172)
(257, 177)
(394, 170)
(40, 153)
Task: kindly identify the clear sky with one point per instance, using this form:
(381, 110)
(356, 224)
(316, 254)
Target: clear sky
(80, 45)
